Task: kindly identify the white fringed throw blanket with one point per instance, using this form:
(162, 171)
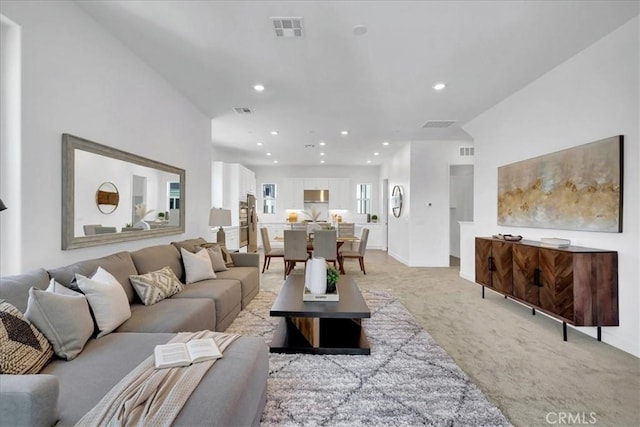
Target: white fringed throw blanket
(153, 397)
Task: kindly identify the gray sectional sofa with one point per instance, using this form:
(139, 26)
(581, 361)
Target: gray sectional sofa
(233, 392)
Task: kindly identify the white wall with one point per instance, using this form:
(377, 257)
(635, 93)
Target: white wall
(591, 96)
(420, 237)
(460, 203)
(78, 79)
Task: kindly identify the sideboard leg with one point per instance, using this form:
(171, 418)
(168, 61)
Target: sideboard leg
(505, 297)
(599, 333)
(483, 292)
(533, 311)
(564, 331)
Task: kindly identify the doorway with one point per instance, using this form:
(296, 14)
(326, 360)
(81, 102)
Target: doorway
(460, 206)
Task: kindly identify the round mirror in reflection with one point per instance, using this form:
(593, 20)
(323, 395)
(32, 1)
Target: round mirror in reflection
(107, 197)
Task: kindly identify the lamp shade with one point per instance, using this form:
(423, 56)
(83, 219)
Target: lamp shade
(219, 217)
(2, 206)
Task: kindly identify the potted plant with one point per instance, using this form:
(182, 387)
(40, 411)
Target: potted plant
(332, 279)
(374, 218)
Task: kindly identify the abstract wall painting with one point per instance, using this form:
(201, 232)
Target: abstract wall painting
(579, 188)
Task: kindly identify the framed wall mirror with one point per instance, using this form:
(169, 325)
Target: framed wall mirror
(110, 195)
(396, 201)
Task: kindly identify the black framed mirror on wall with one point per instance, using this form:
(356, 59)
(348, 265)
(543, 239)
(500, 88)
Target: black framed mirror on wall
(110, 195)
(396, 201)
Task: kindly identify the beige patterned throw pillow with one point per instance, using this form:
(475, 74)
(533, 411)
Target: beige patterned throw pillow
(157, 285)
(23, 348)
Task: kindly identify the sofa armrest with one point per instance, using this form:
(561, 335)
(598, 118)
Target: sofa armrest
(28, 400)
(241, 259)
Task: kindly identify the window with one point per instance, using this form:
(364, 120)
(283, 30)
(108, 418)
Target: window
(269, 198)
(174, 195)
(363, 198)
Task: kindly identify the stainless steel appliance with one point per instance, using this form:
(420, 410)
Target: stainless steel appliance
(244, 224)
(252, 245)
(316, 196)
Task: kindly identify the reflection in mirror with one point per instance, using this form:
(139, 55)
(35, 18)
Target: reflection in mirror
(107, 197)
(150, 195)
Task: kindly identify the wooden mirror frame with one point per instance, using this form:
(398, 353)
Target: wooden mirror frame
(72, 143)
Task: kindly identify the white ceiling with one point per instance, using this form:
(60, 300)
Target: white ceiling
(377, 85)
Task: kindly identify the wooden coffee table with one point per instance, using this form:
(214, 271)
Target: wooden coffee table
(322, 327)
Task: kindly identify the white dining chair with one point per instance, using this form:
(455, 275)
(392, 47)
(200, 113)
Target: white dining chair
(359, 254)
(295, 249)
(268, 251)
(324, 245)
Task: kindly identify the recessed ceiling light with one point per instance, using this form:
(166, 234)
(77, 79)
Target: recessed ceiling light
(359, 30)
(268, 154)
(321, 161)
(258, 88)
(376, 154)
(275, 161)
(385, 143)
(439, 86)
(322, 154)
(274, 132)
(259, 144)
(323, 143)
(344, 132)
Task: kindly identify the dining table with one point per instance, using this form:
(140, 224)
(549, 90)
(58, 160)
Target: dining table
(340, 240)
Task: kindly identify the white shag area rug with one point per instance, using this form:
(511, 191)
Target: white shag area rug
(408, 380)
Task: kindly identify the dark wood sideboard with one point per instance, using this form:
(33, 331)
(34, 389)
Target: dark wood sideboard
(576, 285)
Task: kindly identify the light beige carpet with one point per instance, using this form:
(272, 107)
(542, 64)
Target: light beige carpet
(518, 360)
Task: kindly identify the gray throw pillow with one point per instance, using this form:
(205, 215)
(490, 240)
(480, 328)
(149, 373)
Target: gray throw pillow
(63, 316)
(217, 258)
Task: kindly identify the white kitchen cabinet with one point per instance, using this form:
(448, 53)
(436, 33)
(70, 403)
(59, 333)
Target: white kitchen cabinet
(316, 184)
(377, 235)
(291, 194)
(341, 195)
(231, 182)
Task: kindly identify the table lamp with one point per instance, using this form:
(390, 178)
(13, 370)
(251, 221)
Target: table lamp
(220, 218)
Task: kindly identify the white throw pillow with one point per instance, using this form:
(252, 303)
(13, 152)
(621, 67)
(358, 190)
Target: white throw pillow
(63, 316)
(107, 299)
(197, 266)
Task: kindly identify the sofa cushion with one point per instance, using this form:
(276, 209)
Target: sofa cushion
(189, 244)
(107, 300)
(227, 295)
(215, 253)
(154, 258)
(15, 289)
(172, 315)
(63, 316)
(23, 348)
(237, 381)
(249, 278)
(197, 266)
(156, 285)
(120, 265)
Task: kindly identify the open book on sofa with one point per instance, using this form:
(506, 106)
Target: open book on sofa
(184, 354)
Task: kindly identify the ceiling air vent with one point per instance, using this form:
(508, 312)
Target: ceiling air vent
(431, 124)
(242, 110)
(467, 151)
(287, 27)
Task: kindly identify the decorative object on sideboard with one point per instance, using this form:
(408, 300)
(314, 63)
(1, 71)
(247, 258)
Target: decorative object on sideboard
(508, 237)
(220, 218)
(579, 188)
(2, 206)
(555, 242)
